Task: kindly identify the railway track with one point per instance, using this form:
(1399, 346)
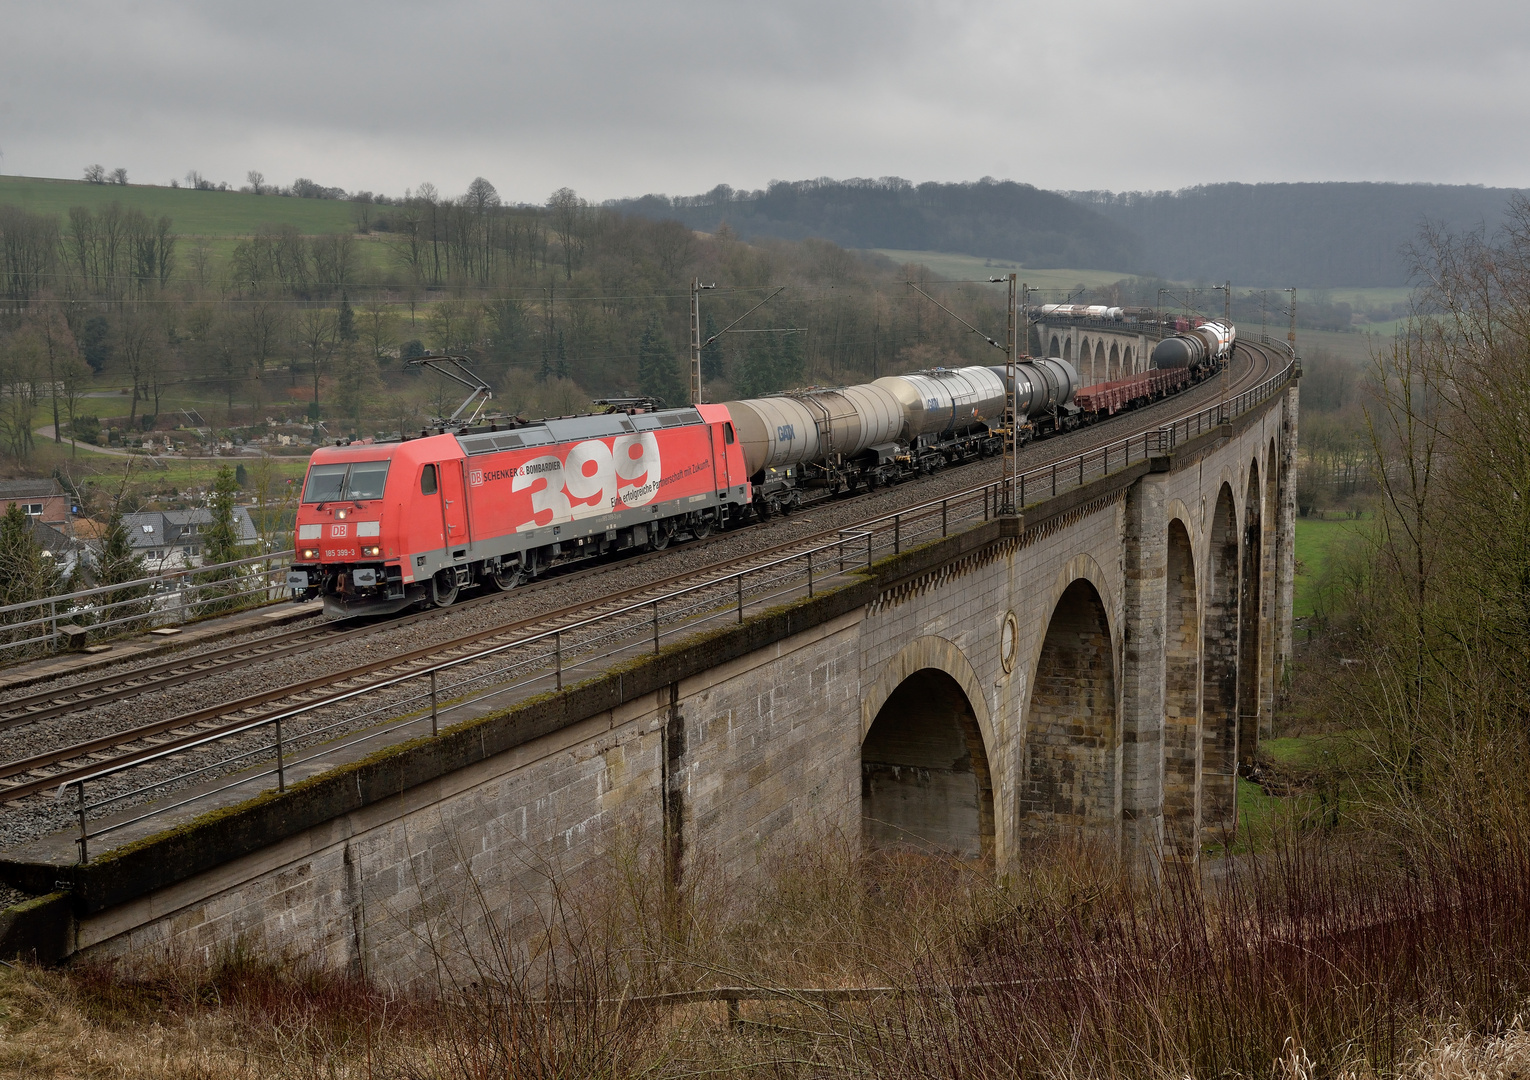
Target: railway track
(44, 771)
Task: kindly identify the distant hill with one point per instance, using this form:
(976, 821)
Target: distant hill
(1308, 235)
(999, 220)
(195, 212)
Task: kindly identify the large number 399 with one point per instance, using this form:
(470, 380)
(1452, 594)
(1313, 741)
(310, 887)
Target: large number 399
(591, 480)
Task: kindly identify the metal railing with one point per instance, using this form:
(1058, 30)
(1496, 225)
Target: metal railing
(168, 599)
(545, 660)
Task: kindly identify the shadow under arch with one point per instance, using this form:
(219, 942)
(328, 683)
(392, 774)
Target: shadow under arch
(1250, 597)
(925, 778)
(1181, 698)
(1070, 765)
(1219, 672)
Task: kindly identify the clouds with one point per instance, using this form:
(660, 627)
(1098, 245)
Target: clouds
(619, 98)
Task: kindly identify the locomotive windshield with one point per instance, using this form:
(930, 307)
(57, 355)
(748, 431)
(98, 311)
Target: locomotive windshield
(359, 480)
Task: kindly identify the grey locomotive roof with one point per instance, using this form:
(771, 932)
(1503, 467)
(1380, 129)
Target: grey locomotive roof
(575, 428)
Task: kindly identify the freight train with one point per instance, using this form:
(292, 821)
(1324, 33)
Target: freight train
(385, 526)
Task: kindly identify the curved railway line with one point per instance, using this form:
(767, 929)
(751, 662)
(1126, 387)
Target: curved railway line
(46, 768)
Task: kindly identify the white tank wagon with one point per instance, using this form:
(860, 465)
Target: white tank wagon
(1208, 345)
(888, 430)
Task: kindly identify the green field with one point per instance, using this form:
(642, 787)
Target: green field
(1315, 540)
(195, 213)
(972, 268)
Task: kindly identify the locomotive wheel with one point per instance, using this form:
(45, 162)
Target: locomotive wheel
(701, 529)
(659, 536)
(505, 580)
(443, 588)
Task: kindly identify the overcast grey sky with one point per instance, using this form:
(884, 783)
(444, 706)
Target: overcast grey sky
(622, 98)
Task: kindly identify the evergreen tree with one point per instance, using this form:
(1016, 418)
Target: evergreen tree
(657, 377)
(345, 326)
(25, 573)
(220, 544)
(711, 353)
(220, 541)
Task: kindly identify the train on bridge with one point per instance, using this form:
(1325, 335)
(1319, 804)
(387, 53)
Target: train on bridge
(385, 526)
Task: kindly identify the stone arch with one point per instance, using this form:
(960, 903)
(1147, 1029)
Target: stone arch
(1250, 601)
(1067, 353)
(1126, 361)
(1181, 698)
(1071, 770)
(1115, 360)
(925, 779)
(1219, 671)
(1056, 345)
(1102, 373)
(931, 654)
(1086, 361)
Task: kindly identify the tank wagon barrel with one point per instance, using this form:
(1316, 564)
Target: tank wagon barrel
(1207, 344)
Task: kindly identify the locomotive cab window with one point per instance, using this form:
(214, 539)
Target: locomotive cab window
(428, 480)
(326, 483)
(728, 434)
(341, 481)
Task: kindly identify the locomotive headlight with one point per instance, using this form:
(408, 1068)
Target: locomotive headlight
(310, 553)
(340, 514)
(371, 551)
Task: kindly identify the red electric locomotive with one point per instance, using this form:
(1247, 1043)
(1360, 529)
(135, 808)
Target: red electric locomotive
(386, 525)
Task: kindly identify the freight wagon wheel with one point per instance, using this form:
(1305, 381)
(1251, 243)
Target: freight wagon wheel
(443, 588)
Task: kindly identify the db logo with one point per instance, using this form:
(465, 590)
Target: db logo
(337, 530)
(477, 478)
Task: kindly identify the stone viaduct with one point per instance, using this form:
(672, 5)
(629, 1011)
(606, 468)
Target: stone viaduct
(1098, 665)
(1102, 351)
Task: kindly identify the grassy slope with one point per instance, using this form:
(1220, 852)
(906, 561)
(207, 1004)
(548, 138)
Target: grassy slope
(196, 213)
(972, 268)
(1314, 541)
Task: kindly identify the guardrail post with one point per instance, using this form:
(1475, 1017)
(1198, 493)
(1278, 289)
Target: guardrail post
(943, 517)
(558, 656)
(53, 615)
(655, 626)
(868, 549)
(1054, 479)
(740, 580)
(841, 553)
(281, 769)
(1081, 470)
(810, 571)
(434, 720)
(84, 840)
(897, 535)
(1021, 504)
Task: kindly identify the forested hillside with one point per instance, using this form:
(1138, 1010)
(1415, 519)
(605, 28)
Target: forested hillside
(1001, 220)
(1308, 235)
(275, 326)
